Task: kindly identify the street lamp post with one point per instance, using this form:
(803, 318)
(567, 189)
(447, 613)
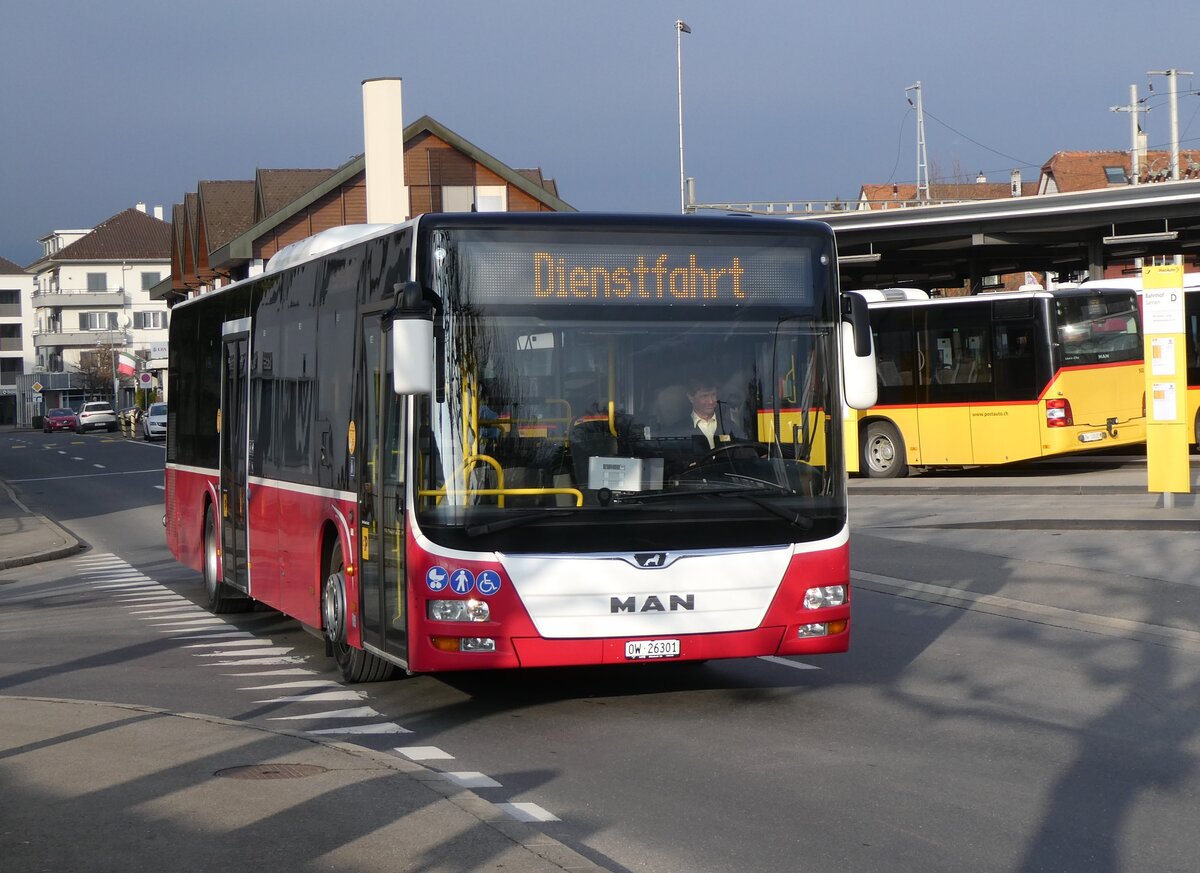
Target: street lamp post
(680, 29)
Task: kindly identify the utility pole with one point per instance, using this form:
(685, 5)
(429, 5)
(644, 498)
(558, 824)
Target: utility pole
(1134, 109)
(922, 157)
(680, 29)
(1172, 94)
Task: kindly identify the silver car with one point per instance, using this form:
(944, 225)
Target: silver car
(95, 415)
(154, 422)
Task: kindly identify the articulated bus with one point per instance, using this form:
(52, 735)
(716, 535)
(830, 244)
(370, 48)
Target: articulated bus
(446, 445)
(1191, 299)
(1000, 377)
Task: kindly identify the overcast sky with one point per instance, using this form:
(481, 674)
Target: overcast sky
(103, 105)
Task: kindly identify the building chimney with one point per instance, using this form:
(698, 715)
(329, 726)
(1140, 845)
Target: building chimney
(1015, 183)
(141, 207)
(383, 140)
(158, 213)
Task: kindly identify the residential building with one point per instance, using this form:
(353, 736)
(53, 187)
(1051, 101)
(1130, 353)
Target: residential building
(91, 302)
(16, 335)
(228, 230)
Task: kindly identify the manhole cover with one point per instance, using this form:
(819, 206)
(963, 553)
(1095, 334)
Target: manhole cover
(271, 771)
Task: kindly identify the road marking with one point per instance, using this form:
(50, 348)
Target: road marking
(784, 662)
(355, 712)
(527, 812)
(318, 697)
(387, 727)
(424, 753)
(472, 779)
(158, 470)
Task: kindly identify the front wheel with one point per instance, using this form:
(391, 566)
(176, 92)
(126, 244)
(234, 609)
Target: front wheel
(221, 599)
(357, 665)
(883, 451)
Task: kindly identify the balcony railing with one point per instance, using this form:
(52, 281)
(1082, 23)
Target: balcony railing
(53, 337)
(79, 297)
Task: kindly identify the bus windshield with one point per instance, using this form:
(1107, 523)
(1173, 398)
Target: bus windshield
(582, 427)
(1098, 328)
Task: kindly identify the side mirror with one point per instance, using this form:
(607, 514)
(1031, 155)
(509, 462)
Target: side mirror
(859, 381)
(412, 355)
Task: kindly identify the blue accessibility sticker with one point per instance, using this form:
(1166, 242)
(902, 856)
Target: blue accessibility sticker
(462, 581)
(487, 582)
(436, 578)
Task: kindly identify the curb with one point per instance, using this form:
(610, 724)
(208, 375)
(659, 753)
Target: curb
(70, 546)
(484, 811)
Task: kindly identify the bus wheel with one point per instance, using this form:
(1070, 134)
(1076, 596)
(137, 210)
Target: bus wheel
(883, 451)
(356, 665)
(220, 599)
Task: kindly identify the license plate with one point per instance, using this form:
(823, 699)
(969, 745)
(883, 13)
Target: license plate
(641, 649)
(1092, 437)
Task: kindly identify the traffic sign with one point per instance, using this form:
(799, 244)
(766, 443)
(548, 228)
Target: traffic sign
(145, 379)
(37, 387)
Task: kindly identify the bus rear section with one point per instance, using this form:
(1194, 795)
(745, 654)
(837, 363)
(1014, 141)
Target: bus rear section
(998, 378)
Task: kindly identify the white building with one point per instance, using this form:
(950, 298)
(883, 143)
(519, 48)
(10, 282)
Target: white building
(91, 298)
(16, 335)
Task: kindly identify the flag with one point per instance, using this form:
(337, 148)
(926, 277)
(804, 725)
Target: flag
(126, 364)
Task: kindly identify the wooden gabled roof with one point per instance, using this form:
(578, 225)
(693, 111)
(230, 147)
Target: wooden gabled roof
(226, 209)
(275, 189)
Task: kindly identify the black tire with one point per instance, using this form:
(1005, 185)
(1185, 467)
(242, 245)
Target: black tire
(882, 454)
(221, 599)
(357, 665)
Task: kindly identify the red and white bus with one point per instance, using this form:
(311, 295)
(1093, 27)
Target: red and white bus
(444, 444)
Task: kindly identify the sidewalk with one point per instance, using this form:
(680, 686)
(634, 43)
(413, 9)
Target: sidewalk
(104, 787)
(29, 538)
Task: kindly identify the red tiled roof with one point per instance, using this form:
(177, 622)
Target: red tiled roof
(1084, 171)
(131, 235)
(893, 196)
(8, 268)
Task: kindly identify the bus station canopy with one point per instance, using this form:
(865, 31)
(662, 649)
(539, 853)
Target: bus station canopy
(1081, 232)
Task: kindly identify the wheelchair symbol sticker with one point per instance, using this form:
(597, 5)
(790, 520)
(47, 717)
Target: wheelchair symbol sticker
(462, 581)
(436, 578)
(487, 582)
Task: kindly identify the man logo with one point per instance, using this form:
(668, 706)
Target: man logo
(649, 560)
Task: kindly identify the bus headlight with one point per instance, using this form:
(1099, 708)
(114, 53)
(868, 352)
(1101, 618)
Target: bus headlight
(826, 595)
(458, 610)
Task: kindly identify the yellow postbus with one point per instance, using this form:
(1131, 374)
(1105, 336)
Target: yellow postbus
(997, 378)
(1191, 297)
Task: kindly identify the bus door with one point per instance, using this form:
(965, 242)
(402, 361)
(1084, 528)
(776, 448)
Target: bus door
(381, 463)
(233, 425)
(944, 414)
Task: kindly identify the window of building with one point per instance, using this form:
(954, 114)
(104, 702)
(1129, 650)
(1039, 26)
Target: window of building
(1116, 176)
(97, 321)
(156, 320)
(97, 281)
(474, 198)
(149, 280)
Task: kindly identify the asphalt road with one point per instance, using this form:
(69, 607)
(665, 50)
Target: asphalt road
(1014, 700)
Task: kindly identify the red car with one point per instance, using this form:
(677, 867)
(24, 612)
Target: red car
(59, 419)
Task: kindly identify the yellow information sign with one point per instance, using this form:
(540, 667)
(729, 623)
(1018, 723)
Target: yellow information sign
(1166, 380)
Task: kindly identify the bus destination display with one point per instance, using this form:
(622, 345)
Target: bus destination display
(663, 276)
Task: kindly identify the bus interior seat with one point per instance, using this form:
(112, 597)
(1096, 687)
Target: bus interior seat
(889, 373)
(672, 409)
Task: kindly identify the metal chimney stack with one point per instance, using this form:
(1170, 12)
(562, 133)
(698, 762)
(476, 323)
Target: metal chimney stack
(383, 140)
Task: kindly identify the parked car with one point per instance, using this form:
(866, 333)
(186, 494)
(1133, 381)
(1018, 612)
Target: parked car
(94, 415)
(59, 419)
(154, 422)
